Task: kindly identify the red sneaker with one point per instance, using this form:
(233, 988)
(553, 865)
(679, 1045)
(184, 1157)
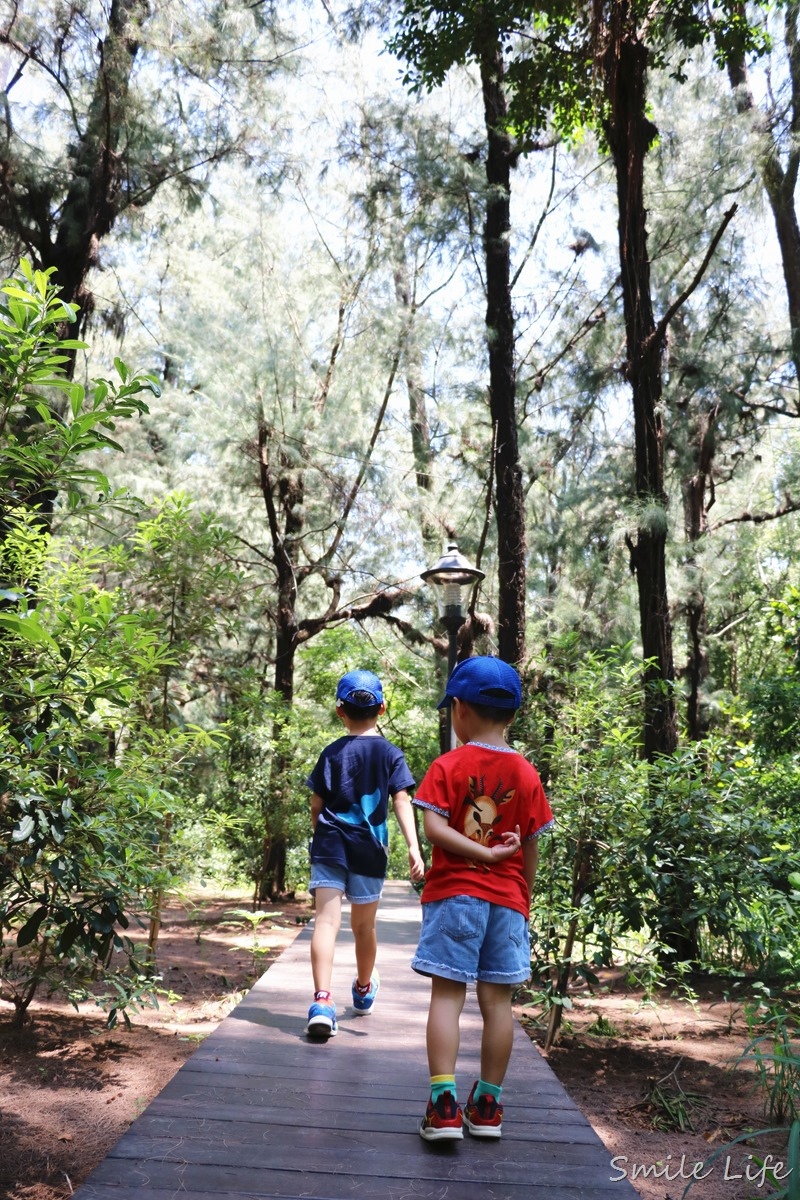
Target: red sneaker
(443, 1120)
(484, 1116)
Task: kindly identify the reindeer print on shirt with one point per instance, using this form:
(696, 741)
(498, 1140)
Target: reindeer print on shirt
(480, 810)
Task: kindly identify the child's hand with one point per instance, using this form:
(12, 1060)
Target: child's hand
(416, 866)
(508, 844)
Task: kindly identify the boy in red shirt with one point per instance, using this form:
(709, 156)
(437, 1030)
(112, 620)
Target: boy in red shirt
(484, 809)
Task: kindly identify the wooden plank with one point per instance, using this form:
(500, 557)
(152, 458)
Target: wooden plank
(223, 1185)
(285, 1108)
(233, 1072)
(269, 1127)
(387, 1155)
(452, 1184)
(189, 1082)
(259, 1111)
(385, 1118)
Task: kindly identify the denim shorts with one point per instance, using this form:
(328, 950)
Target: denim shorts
(359, 889)
(464, 939)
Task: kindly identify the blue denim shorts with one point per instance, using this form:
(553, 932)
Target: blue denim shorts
(464, 938)
(359, 889)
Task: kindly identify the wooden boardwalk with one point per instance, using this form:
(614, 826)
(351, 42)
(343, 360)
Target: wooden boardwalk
(259, 1111)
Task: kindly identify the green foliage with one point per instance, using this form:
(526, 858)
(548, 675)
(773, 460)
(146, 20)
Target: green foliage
(552, 53)
(84, 791)
(602, 1027)
(775, 716)
(637, 843)
(773, 1054)
(264, 801)
(252, 921)
(670, 1106)
(177, 573)
(48, 423)
(589, 711)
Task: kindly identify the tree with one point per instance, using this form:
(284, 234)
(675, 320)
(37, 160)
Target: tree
(778, 167)
(76, 825)
(128, 98)
(432, 40)
(177, 574)
(414, 186)
(43, 451)
(305, 460)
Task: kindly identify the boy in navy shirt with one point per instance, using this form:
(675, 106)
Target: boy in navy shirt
(351, 785)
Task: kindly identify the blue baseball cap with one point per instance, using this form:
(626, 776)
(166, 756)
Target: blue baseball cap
(484, 680)
(356, 685)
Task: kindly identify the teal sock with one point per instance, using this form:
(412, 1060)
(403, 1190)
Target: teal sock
(487, 1089)
(441, 1084)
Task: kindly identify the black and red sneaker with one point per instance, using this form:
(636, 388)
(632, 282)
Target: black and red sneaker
(483, 1117)
(443, 1120)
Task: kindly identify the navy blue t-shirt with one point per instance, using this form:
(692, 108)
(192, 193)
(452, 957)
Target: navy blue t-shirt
(354, 777)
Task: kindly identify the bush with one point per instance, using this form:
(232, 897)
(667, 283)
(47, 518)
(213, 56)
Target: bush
(79, 812)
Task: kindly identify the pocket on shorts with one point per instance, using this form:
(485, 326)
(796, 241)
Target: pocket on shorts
(462, 918)
(509, 925)
(517, 930)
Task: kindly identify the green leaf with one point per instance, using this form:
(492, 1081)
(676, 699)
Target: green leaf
(76, 398)
(24, 829)
(30, 929)
(27, 628)
(793, 1161)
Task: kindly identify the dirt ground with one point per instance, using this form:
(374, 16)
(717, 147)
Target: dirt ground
(69, 1087)
(661, 1087)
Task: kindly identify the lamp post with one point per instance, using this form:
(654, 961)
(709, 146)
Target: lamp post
(453, 576)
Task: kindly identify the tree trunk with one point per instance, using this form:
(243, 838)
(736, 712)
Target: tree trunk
(68, 238)
(283, 498)
(630, 135)
(695, 505)
(510, 500)
(418, 410)
(779, 182)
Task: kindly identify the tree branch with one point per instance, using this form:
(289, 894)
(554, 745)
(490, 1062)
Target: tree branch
(354, 490)
(380, 605)
(759, 518)
(657, 336)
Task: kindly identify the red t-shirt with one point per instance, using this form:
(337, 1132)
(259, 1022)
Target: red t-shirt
(484, 792)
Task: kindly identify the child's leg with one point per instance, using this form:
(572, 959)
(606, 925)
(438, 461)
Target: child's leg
(327, 920)
(443, 1034)
(363, 918)
(494, 1000)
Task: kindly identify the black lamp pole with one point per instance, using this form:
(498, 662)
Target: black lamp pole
(453, 576)
(452, 619)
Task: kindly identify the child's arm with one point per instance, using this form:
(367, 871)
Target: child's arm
(439, 832)
(408, 828)
(317, 804)
(530, 855)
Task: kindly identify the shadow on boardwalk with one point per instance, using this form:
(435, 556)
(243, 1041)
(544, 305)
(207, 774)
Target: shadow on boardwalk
(260, 1111)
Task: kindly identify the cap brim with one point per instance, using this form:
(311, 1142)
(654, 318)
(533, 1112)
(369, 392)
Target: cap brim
(444, 701)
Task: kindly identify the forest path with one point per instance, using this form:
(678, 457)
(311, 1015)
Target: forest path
(260, 1111)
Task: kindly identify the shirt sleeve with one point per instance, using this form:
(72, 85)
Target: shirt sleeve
(316, 780)
(432, 792)
(400, 777)
(540, 818)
